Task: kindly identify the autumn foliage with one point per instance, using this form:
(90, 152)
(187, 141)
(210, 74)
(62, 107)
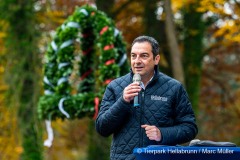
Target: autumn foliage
(218, 104)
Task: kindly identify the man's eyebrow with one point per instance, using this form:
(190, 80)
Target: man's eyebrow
(145, 53)
(140, 53)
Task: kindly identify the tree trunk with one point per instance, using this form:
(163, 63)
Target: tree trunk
(176, 59)
(106, 6)
(22, 73)
(193, 51)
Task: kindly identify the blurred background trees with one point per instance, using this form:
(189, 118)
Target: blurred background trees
(22, 73)
(207, 36)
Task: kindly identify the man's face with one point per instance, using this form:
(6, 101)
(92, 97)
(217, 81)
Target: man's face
(142, 60)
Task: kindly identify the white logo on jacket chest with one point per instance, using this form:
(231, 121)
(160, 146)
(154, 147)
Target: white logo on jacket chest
(158, 98)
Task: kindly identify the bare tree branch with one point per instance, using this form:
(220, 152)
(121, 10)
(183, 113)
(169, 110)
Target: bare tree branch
(119, 9)
(173, 45)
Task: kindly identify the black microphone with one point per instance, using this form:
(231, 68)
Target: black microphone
(136, 78)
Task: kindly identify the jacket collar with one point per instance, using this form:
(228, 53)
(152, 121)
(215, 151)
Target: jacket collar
(156, 74)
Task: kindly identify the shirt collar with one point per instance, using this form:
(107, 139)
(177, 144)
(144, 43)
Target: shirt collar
(142, 85)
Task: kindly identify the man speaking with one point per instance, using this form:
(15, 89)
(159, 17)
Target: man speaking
(161, 115)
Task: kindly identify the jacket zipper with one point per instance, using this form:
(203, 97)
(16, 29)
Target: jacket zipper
(141, 119)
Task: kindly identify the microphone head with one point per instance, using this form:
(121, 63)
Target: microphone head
(137, 78)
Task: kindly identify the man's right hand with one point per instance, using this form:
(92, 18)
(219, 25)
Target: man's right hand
(131, 91)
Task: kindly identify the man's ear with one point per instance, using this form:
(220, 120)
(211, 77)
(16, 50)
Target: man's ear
(157, 59)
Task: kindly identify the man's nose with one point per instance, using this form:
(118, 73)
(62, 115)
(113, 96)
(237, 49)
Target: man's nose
(138, 59)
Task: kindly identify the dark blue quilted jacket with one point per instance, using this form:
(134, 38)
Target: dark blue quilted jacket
(164, 103)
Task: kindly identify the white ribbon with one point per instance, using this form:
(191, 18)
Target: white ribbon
(66, 43)
(73, 24)
(60, 65)
(48, 142)
(123, 59)
(116, 32)
(54, 46)
(60, 106)
(70, 24)
(63, 26)
(48, 92)
(62, 80)
(84, 11)
(45, 79)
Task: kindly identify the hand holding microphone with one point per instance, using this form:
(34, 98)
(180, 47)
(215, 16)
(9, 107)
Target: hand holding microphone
(136, 78)
(132, 90)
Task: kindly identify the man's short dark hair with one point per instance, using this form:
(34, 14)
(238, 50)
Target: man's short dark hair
(151, 40)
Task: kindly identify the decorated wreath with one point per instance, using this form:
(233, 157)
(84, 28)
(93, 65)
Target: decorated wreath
(89, 40)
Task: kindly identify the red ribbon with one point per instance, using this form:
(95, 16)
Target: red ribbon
(107, 47)
(111, 61)
(107, 81)
(104, 29)
(93, 13)
(86, 34)
(87, 51)
(86, 74)
(96, 101)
